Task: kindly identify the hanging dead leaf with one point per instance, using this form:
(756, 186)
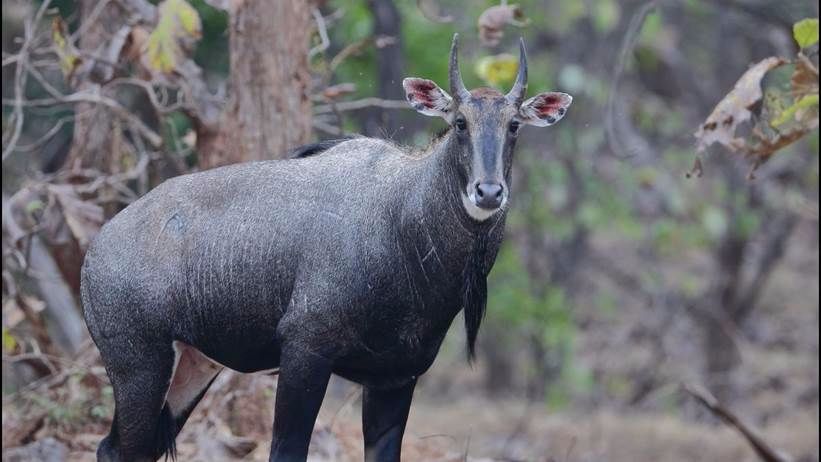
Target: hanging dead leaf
(83, 218)
(493, 20)
(433, 12)
(735, 108)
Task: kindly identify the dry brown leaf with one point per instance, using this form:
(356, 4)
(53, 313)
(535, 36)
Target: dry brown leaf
(493, 20)
(12, 314)
(83, 218)
(339, 90)
(764, 146)
(804, 79)
(735, 108)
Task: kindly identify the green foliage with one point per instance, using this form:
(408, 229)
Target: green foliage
(498, 71)
(523, 304)
(606, 15)
(806, 102)
(212, 49)
(9, 342)
(805, 32)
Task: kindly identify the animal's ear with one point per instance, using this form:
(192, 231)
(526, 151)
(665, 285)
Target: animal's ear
(426, 97)
(545, 109)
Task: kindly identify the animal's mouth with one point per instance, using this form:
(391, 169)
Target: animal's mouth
(470, 203)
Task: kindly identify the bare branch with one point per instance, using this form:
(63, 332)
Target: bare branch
(20, 79)
(92, 97)
(46, 137)
(362, 104)
(323, 34)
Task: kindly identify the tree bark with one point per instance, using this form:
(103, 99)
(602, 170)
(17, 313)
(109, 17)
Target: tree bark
(93, 143)
(390, 66)
(270, 110)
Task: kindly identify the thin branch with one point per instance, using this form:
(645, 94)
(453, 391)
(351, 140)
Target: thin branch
(617, 145)
(159, 106)
(89, 97)
(89, 20)
(20, 79)
(46, 137)
(323, 34)
(362, 104)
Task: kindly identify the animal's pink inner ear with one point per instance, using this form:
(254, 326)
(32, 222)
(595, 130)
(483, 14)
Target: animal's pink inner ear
(421, 91)
(426, 97)
(551, 104)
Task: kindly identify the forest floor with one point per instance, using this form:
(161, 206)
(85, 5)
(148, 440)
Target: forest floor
(492, 430)
(453, 419)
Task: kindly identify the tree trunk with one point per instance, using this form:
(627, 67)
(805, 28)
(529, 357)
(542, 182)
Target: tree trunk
(390, 66)
(270, 110)
(93, 141)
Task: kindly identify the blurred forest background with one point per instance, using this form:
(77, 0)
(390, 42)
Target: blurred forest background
(638, 257)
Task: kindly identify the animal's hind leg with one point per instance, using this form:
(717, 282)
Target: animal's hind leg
(143, 428)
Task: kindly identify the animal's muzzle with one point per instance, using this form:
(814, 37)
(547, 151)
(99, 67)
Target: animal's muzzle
(489, 195)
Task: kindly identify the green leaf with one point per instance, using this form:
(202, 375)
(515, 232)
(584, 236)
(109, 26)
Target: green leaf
(35, 206)
(789, 113)
(806, 32)
(9, 342)
(499, 70)
(178, 21)
(65, 51)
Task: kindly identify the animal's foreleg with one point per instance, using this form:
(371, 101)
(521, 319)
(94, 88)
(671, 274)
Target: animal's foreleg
(303, 378)
(384, 414)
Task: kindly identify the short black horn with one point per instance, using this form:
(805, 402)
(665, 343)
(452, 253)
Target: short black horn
(457, 87)
(519, 90)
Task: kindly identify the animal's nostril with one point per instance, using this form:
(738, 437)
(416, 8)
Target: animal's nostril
(489, 195)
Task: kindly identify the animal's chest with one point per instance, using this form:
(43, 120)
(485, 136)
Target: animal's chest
(392, 356)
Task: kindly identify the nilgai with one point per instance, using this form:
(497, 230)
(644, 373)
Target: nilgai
(352, 259)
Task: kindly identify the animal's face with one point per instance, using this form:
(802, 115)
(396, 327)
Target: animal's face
(485, 125)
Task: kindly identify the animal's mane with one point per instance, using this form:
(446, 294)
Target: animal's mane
(308, 150)
(415, 151)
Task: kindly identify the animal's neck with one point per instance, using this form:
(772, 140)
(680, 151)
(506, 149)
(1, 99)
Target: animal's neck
(445, 243)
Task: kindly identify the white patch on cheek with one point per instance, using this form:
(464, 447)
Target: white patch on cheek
(476, 212)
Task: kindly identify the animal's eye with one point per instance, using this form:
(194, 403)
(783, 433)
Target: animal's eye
(514, 126)
(461, 123)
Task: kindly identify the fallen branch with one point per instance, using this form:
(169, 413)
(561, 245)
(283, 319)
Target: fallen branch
(764, 450)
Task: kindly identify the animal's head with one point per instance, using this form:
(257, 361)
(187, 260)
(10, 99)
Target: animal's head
(485, 124)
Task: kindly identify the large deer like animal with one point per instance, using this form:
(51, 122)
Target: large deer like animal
(352, 259)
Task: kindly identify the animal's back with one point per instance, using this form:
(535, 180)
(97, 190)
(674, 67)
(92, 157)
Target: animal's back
(233, 240)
